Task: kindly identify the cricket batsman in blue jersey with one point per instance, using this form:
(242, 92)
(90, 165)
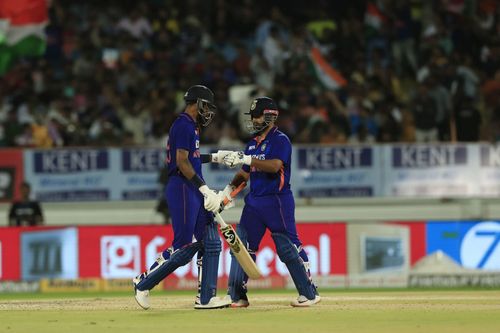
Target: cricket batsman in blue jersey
(191, 203)
(269, 205)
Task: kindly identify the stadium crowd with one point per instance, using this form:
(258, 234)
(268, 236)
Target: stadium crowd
(114, 72)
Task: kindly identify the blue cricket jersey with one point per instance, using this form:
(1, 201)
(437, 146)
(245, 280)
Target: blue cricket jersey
(275, 145)
(183, 134)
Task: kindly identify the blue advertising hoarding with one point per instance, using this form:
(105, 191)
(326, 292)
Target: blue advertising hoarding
(472, 244)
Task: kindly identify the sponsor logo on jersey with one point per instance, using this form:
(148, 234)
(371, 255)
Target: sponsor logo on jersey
(261, 157)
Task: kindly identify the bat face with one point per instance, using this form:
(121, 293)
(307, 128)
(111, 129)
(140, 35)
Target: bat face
(237, 248)
(230, 236)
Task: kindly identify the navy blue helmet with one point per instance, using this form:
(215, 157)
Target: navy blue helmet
(204, 99)
(261, 106)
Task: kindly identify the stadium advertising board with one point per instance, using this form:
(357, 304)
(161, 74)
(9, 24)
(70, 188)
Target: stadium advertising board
(10, 260)
(336, 171)
(49, 254)
(11, 174)
(69, 174)
(138, 174)
(428, 171)
(489, 174)
(120, 251)
(123, 252)
(94, 174)
(348, 251)
(419, 170)
(472, 244)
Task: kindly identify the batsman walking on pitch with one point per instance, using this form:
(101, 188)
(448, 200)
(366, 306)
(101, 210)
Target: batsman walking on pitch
(192, 204)
(269, 205)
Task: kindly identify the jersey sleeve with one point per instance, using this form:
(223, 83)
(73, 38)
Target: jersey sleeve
(184, 137)
(281, 149)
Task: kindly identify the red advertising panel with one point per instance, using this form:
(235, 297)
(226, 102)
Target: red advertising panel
(418, 244)
(115, 252)
(120, 251)
(11, 174)
(10, 263)
(123, 251)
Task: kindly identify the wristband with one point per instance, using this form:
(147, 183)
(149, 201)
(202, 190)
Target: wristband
(247, 159)
(206, 158)
(197, 181)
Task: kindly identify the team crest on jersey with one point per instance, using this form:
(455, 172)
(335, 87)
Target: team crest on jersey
(254, 105)
(263, 147)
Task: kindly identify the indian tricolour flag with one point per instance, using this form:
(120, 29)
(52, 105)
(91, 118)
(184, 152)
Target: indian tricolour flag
(326, 74)
(22, 34)
(373, 17)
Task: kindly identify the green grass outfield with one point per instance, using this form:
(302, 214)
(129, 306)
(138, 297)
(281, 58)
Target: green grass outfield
(386, 311)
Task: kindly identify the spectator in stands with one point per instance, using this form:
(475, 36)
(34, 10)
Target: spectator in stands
(12, 129)
(468, 121)
(25, 212)
(425, 115)
(108, 58)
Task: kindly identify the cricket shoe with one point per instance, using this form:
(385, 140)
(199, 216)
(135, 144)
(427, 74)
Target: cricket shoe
(214, 303)
(141, 296)
(241, 303)
(304, 302)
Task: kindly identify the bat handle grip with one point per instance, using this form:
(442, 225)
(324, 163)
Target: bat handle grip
(220, 220)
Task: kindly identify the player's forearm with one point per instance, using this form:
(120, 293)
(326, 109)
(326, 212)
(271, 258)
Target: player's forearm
(239, 178)
(271, 166)
(186, 168)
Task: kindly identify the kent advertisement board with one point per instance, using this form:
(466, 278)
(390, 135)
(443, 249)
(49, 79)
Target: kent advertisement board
(60, 175)
(70, 174)
(94, 174)
(336, 172)
(138, 173)
(428, 171)
(489, 170)
(417, 170)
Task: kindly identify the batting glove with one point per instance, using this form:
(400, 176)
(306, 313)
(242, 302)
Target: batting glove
(219, 155)
(211, 200)
(237, 158)
(227, 201)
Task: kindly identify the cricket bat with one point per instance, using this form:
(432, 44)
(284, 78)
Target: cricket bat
(237, 247)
